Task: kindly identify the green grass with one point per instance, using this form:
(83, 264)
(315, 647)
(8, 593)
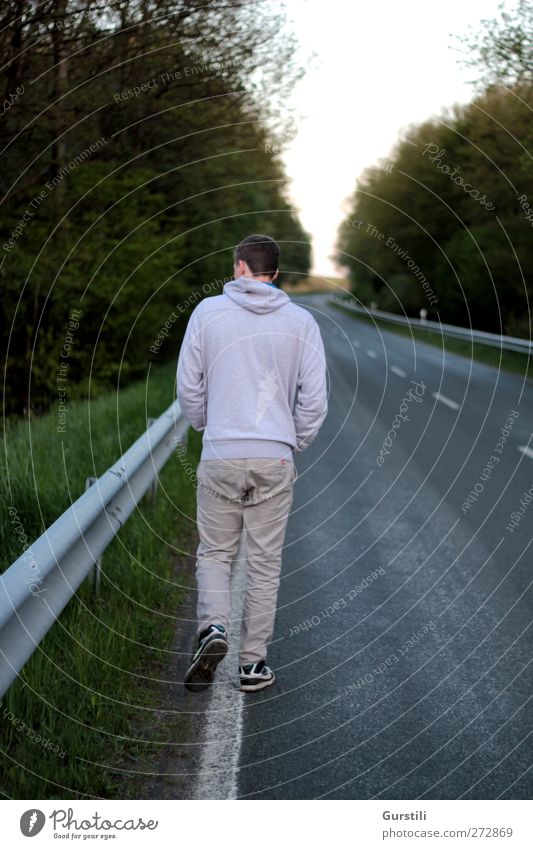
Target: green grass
(83, 688)
(511, 361)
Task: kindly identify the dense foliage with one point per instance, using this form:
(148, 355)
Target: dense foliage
(445, 224)
(140, 142)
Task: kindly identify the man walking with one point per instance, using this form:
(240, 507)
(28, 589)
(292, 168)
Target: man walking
(252, 375)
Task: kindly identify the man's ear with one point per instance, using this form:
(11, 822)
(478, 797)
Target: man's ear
(241, 267)
(276, 275)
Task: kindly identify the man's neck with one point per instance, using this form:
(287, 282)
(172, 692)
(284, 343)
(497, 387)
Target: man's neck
(263, 279)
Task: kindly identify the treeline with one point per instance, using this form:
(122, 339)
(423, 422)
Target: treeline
(446, 223)
(140, 141)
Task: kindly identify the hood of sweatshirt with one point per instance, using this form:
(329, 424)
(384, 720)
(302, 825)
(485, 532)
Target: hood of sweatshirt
(255, 295)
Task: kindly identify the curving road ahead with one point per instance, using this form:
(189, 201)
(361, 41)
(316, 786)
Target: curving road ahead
(403, 635)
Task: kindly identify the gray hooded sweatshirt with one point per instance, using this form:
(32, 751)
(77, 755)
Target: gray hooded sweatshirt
(252, 373)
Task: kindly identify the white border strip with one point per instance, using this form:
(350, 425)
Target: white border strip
(219, 763)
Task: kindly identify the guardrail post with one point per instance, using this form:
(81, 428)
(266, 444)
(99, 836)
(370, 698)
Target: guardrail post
(153, 486)
(97, 568)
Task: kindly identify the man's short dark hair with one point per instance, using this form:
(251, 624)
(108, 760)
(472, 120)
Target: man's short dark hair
(260, 253)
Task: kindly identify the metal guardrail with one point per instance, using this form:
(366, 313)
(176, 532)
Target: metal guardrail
(495, 340)
(36, 587)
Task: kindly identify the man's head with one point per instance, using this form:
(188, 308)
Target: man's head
(256, 256)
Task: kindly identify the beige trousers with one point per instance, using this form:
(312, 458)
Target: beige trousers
(232, 494)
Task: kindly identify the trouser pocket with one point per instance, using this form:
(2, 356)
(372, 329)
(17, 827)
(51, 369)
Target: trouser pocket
(220, 479)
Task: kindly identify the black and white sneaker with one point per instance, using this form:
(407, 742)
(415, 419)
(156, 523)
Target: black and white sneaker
(212, 648)
(255, 676)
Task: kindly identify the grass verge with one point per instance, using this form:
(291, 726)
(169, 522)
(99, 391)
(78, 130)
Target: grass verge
(69, 714)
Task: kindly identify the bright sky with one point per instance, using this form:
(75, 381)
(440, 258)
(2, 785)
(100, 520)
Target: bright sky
(380, 66)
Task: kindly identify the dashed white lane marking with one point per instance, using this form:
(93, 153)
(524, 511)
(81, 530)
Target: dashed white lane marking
(525, 449)
(399, 371)
(372, 353)
(219, 763)
(356, 343)
(448, 401)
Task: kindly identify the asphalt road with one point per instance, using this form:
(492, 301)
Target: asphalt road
(403, 634)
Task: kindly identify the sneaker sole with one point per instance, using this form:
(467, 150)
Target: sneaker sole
(200, 675)
(251, 688)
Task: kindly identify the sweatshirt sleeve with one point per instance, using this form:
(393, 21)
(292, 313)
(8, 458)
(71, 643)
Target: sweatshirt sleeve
(311, 404)
(190, 379)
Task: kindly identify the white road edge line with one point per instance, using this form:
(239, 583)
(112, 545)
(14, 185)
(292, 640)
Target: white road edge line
(219, 762)
(448, 401)
(525, 449)
(399, 371)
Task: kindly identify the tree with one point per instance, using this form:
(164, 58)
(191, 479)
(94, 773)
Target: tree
(135, 156)
(503, 50)
(450, 214)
